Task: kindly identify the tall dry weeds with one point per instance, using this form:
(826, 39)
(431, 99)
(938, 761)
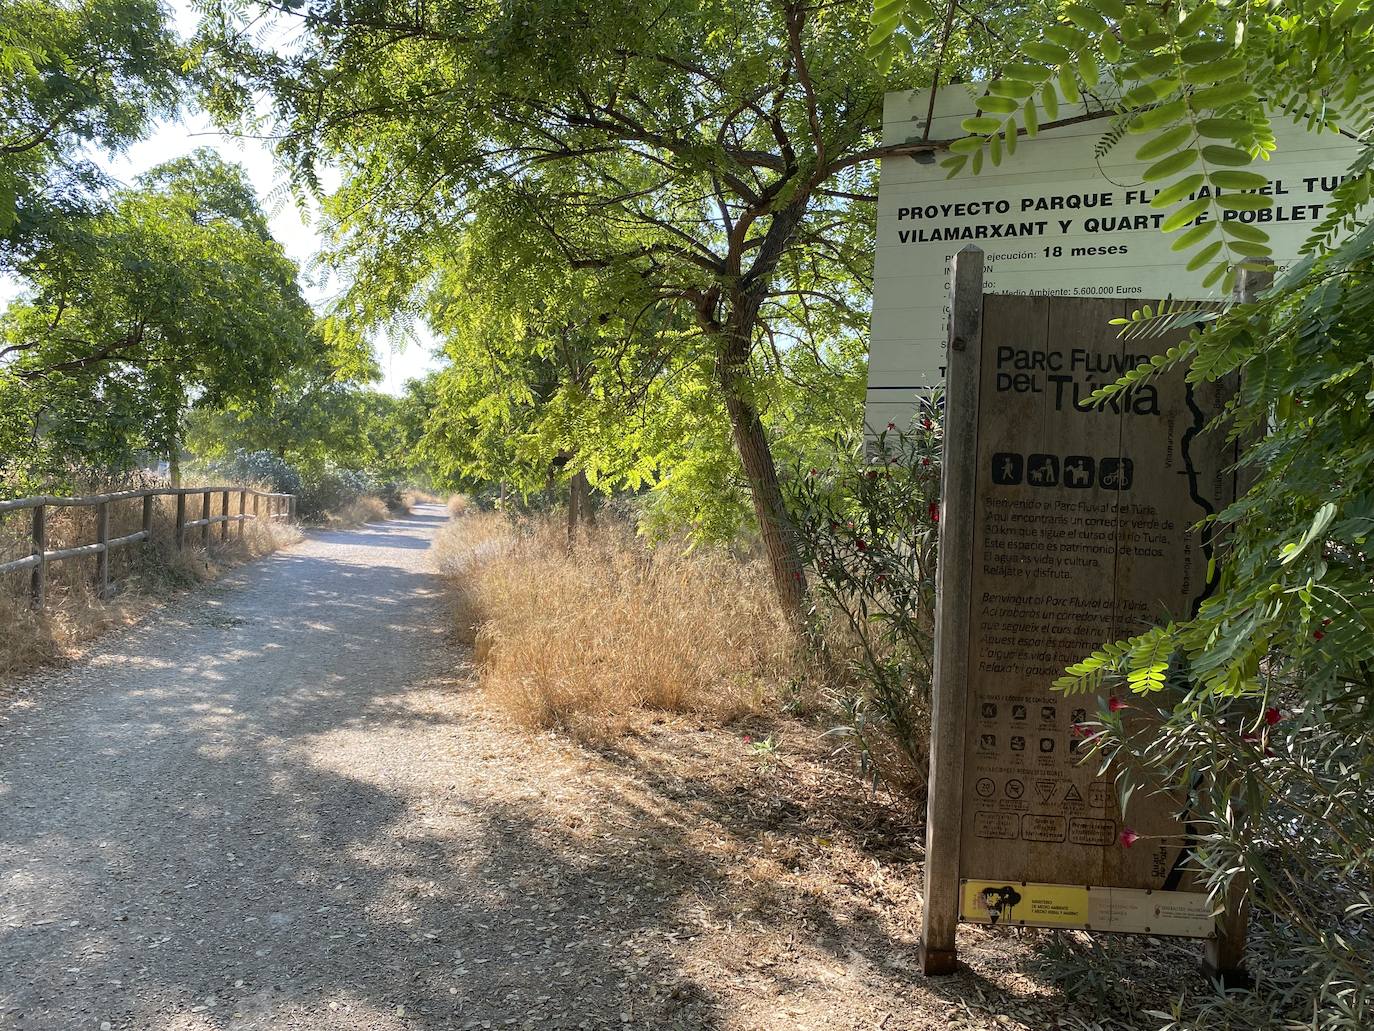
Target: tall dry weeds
(580, 639)
(141, 575)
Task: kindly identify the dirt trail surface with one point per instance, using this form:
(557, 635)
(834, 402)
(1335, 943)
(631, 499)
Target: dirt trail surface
(279, 803)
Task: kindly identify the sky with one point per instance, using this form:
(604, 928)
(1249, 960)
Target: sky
(295, 228)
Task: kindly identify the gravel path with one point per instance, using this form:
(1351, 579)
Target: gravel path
(223, 818)
(280, 803)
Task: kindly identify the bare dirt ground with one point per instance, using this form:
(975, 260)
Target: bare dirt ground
(279, 803)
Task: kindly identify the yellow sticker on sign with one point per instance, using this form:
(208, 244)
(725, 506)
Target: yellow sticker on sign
(1034, 905)
(1180, 914)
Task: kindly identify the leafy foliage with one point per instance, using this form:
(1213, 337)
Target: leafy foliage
(73, 74)
(869, 527)
(704, 159)
(1200, 85)
(176, 294)
(1269, 687)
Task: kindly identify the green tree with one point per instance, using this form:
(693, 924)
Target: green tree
(73, 75)
(714, 151)
(175, 295)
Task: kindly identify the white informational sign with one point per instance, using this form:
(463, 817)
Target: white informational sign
(1052, 219)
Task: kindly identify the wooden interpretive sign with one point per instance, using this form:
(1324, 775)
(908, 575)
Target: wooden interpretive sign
(1064, 527)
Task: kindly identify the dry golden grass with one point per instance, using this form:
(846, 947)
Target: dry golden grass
(459, 504)
(141, 575)
(367, 509)
(580, 640)
(413, 497)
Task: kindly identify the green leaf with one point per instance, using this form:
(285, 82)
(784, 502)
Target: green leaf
(1149, 67)
(1250, 249)
(1111, 8)
(1169, 167)
(966, 145)
(982, 125)
(1171, 195)
(1158, 116)
(1244, 231)
(1223, 94)
(1086, 18)
(1228, 179)
(1201, 75)
(1223, 128)
(1344, 11)
(1026, 72)
(1323, 518)
(1111, 48)
(1049, 96)
(995, 148)
(1088, 70)
(1192, 236)
(1047, 53)
(1215, 154)
(1011, 88)
(1165, 143)
(1067, 36)
(955, 164)
(1068, 86)
(1184, 215)
(998, 105)
(1205, 52)
(1031, 119)
(1223, 270)
(1203, 256)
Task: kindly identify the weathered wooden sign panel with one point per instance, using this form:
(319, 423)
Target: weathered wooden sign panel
(1065, 527)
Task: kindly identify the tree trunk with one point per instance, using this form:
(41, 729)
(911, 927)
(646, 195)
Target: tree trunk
(579, 506)
(775, 527)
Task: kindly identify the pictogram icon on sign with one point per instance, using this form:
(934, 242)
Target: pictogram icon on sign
(1043, 471)
(1006, 469)
(1117, 473)
(1078, 471)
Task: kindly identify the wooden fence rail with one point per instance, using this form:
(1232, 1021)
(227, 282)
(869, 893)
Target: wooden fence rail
(279, 506)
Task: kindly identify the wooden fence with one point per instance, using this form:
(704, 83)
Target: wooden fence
(279, 506)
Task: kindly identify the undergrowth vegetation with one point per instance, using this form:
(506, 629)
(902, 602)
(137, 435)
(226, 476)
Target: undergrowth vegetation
(141, 575)
(580, 638)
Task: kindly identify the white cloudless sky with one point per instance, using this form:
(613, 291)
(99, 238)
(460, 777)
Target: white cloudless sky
(294, 227)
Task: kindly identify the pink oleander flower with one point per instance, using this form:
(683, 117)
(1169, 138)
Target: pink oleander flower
(1115, 704)
(1128, 837)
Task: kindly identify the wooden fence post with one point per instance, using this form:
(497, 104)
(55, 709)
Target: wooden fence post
(291, 509)
(102, 557)
(944, 797)
(256, 499)
(224, 511)
(38, 585)
(148, 500)
(1224, 956)
(205, 515)
(180, 532)
(243, 511)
